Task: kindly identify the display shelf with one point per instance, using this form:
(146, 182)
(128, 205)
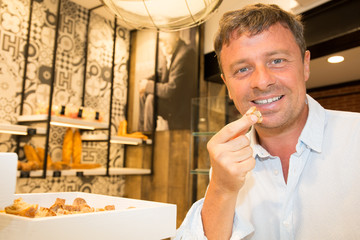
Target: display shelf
(129, 171)
(20, 129)
(63, 121)
(203, 133)
(85, 172)
(200, 171)
(115, 139)
(208, 116)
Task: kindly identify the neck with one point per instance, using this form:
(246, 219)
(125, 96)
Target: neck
(282, 141)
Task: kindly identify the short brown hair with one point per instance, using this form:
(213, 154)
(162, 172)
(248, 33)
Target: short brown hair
(254, 19)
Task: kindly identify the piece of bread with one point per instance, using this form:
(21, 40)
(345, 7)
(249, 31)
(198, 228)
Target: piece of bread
(22, 208)
(77, 147)
(122, 130)
(253, 111)
(59, 208)
(41, 154)
(85, 165)
(67, 146)
(109, 207)
(59, 203)
(45, 212)
(27, 166)
(59, 166)
(137, 135)
(32, 156)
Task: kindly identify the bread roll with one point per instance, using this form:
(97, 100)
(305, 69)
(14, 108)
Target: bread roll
(67, 146)
(77, 147)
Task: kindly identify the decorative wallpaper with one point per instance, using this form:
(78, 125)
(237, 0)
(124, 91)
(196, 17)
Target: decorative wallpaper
(68, 85)
(14, 17)
(112, 185)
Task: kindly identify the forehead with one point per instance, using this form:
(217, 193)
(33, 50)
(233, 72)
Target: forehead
(166, 36)
(275, 37)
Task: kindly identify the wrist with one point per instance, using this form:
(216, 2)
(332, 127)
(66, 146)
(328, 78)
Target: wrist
(223, 193)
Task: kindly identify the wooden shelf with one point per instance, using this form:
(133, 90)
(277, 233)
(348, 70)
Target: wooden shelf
(63, 121)
(20, 129)
(85, 172)
(115, 139)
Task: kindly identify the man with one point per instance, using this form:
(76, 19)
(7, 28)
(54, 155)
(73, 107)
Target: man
(177, 85)
(295, 174)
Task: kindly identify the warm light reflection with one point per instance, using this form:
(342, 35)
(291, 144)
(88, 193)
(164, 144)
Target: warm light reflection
(13, 132)
(124, 142)
(335, 59)
(71, 125)
(13, 129)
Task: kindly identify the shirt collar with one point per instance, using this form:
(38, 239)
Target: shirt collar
(311, 136)
(313, 132)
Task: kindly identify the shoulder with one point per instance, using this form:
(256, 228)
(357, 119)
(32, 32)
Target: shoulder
(185, 49)
(343, 121)
(343, 115)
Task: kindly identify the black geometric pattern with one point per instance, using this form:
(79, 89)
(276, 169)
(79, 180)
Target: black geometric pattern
(68, 78)
(63, 61)
(35, 32)
(112, 186)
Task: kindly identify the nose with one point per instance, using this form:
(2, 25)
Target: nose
(262, 78)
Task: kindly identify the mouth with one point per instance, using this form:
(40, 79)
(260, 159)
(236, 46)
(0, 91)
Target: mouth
(268, 100)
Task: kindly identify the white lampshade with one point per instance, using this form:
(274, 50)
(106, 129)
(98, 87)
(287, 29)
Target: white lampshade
(164, 15)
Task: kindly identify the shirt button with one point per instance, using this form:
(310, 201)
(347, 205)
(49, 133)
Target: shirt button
(286, 223)
(276, 172)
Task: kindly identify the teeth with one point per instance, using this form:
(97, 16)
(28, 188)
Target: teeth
(265, 101)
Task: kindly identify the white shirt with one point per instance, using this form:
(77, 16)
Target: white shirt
(321, 199)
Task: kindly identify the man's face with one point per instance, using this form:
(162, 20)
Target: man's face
(168, 42)
(267, 71)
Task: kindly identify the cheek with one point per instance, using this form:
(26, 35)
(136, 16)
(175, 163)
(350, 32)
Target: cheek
(238, 93)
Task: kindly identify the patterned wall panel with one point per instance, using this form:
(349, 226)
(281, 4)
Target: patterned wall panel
(120, 87)
(68, 85)
(14, 16)
(113, 185)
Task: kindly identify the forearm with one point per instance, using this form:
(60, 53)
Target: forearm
(218, 213)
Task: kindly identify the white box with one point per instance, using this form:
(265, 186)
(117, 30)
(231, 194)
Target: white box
(8, 169)
(148, 220)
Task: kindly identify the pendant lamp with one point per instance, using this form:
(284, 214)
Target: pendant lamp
(164, 15)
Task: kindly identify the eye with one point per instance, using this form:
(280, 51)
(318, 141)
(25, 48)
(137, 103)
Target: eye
(244, 69)
(277, 61)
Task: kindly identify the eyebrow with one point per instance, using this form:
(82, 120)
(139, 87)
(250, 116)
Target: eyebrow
(238, 62)
(286, 52)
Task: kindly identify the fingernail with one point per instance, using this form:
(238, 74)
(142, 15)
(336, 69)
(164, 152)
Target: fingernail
(254, 118)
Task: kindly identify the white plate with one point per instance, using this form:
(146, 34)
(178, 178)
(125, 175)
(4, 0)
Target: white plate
(148, 220)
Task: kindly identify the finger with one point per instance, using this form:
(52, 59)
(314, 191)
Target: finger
(243, 154)
(236, 128)
(235, 144)
(245, 166)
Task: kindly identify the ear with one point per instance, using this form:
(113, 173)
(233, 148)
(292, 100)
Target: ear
(307, 65)
(223, 78)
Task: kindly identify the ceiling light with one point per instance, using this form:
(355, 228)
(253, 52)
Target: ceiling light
(335, 59)
(165, 15)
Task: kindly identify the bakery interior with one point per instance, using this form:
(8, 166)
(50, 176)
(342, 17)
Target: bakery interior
(84, 61)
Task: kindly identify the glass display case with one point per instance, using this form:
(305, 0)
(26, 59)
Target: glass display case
(209, 115)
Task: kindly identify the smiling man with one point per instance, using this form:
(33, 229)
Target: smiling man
(288, 177)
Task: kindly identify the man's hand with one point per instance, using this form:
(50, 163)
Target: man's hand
(231, 155)
(231, 159)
